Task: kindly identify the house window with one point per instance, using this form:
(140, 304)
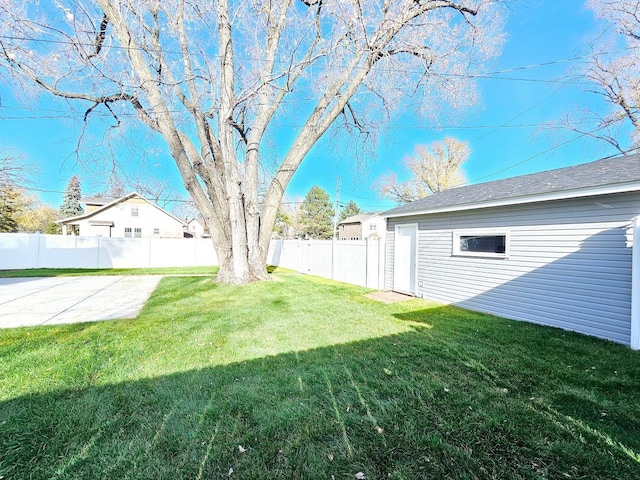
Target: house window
(127, 232)
(134, 211)
(137, 233)
(481, 244)
(372, 227)
(156, 231)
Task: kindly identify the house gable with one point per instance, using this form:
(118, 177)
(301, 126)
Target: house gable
(361, 226)
(130, 216)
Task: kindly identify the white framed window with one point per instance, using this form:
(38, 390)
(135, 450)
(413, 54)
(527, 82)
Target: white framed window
(156, 231)
(134, 211)
(137, 232)
(481, 243)
(373, 227)
(128, 232)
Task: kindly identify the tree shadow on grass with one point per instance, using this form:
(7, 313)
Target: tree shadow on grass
(445, 401)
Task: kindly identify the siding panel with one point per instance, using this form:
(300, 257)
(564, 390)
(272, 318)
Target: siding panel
(569, 263)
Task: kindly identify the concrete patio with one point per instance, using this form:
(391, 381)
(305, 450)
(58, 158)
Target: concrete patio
(55, 300)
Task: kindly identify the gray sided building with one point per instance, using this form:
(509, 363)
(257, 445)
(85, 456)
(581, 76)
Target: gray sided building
(554, 248)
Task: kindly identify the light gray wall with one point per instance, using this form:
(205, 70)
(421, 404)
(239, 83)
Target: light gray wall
(569, 263)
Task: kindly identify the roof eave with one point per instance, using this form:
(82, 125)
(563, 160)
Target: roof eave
(544, 197)
(84, 216)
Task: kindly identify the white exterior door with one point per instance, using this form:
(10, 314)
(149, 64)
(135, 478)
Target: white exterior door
(404, 258)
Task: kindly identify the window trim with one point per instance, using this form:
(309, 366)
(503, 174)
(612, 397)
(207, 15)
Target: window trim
(128, 230)
(488, 232)
(135, 211)
(137, 232)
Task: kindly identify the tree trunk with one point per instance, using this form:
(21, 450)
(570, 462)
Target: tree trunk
(239, 264)
(242, 257)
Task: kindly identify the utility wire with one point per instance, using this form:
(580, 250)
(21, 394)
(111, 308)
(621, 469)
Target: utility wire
(287, 62)
(528, 159)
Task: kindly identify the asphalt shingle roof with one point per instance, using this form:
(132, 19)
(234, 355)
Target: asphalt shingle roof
(613, 171)
(360, 217)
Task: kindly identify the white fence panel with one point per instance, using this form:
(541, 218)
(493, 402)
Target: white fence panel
(351, 260)
(285, 254)
(320, 258)
(127, 252)
(355, 262)
(358, 262)
(19, 251)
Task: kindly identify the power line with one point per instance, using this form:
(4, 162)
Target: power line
(586, 134)
(395, 127)
(61, 116)
(287, 62)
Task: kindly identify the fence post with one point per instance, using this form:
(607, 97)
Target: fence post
(37, 249)
(334, 265)
(371, 263)
(195, 251)
(97, 251)
(149, 261)
(635, 286)
(382, 255)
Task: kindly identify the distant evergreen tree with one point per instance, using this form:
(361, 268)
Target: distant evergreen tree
(349, 210)
(71, 203)
(316, 214)
(10, 208)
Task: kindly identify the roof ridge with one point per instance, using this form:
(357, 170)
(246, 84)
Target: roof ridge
(599, 173)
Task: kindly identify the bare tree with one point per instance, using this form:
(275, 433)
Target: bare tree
(13, 170)
(613, 73)
(215, 78)
(434, 168)
(157, 190)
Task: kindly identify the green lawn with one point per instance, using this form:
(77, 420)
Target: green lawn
(304, 378)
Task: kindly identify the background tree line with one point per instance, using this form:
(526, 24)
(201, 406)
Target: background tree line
(311, 217)
(19, 211)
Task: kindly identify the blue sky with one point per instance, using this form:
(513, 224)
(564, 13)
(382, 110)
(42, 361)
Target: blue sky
(504, 130)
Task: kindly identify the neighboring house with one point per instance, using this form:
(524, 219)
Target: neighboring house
(131, 216)
(361, 226)
(553, 248)
(197, 228)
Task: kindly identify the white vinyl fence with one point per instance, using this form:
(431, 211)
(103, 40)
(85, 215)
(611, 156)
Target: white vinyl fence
(359, 262)
(22, 250)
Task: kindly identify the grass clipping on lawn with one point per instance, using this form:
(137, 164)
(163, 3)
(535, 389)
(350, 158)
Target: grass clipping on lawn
(306, 378)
